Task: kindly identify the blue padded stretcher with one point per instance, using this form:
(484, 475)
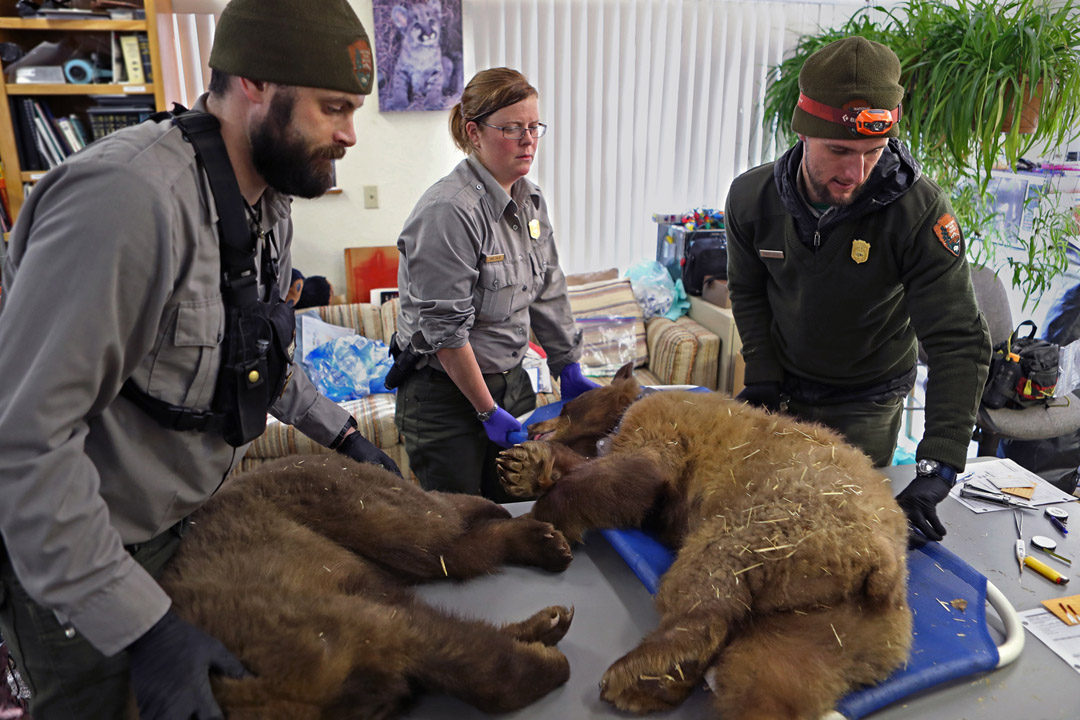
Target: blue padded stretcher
(948, 644)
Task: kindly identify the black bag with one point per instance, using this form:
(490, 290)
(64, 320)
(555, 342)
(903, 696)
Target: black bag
(1023, 371)
(705, 257)
(255, 355)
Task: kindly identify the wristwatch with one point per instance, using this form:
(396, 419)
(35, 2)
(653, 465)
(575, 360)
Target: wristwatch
(487, 414)
(927, 467)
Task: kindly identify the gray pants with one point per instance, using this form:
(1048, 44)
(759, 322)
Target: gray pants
(68, 678)
(448, 448)
(872, 425)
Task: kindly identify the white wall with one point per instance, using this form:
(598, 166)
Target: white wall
(402, 153)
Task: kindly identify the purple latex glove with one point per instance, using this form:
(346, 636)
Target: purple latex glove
(499, 427)
(573, 383)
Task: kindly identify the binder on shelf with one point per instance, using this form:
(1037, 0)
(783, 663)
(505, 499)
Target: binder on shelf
(27, 113)
(129, 47)
(24, 138)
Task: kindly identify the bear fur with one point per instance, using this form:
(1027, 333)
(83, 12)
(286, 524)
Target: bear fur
(302, 569)
(789, 584)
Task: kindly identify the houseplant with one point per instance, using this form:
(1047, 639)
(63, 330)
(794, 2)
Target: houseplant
(967, 66)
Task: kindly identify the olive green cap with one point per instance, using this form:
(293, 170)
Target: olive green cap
(310, 43)
(850, 73)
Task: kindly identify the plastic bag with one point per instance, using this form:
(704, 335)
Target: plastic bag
(653, 287)
(607, 343)
(348, 368)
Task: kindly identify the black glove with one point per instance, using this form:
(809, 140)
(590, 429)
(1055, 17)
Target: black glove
(764, 395)
(919, 501)
(170, 671)
(358, 448)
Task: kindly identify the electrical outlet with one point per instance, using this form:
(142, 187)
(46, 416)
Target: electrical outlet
(371, 196)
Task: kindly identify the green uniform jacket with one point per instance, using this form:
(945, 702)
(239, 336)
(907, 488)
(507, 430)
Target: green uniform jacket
(888, 271)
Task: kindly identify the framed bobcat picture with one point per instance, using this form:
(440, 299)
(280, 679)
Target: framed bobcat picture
(418, 54)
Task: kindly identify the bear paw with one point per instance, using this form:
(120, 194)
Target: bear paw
(548, 626)
(525, 470)
(639, 683)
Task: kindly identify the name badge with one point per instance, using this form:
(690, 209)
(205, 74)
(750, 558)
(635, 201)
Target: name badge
(494, 258)
(534, 228)
(771, 254)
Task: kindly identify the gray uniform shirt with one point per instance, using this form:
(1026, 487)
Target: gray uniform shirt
(481, 266)
(114, 271)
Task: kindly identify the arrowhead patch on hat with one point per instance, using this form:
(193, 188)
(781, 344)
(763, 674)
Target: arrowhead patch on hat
(363, 66)
(948, 232)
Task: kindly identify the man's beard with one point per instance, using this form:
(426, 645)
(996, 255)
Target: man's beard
(282, 157)
(820, 189)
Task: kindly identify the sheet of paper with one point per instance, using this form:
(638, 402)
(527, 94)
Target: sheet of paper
(1062, 639)
(1003, 472)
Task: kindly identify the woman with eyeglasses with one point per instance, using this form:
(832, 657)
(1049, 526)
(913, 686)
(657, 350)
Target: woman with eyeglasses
(479, 269)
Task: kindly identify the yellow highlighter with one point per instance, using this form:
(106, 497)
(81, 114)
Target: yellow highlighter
(1045, 570)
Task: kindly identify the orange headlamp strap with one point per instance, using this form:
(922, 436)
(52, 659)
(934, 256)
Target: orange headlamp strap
(865, 121)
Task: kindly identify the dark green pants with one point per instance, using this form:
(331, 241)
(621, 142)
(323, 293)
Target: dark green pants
(871, 426)
(68, 678)
(448, 448)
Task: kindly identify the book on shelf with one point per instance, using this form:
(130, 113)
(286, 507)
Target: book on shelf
(53, 127)
(144, 55)
(5, 209)
(67, 130)
(80, 130)
(71, 14)
(119, 69)
(129, 47)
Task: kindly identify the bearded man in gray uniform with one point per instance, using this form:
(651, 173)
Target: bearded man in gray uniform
(115, 278)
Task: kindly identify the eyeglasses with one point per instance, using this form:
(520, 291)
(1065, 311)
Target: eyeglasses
(516, 132)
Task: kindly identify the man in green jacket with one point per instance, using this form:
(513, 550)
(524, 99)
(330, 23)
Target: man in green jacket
(842, 257)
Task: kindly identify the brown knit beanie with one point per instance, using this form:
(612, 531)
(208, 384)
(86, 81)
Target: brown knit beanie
(848, 74)
(311, 43)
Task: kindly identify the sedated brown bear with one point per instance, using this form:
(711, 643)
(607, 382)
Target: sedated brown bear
(302, 569)
(789, 584)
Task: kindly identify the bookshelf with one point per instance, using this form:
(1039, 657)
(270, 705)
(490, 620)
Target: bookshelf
(67, 99)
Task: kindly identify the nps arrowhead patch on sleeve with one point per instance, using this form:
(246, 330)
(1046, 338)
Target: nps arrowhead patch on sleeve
(948, 232)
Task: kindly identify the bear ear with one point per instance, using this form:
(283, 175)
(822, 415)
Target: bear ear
(626, 372)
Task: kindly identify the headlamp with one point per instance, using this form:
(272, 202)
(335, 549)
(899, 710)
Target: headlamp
(866, 121)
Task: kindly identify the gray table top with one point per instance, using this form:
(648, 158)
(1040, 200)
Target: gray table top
(613, 610)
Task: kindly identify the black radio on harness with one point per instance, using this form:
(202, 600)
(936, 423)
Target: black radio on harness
(258, 332)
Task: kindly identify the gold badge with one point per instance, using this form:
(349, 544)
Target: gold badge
(534, 228)
(860, 251)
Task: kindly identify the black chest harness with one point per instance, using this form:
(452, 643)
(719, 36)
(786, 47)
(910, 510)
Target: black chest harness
(255, 358)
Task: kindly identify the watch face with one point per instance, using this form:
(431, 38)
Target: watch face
(926, 467)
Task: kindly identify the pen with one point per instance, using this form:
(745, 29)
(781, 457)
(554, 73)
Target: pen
(1045, 570)
(1069, 617)
(1058, 525)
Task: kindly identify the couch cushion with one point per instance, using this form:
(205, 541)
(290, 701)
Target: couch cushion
(608, 299)
(374, 420)
(672, 350)
(707, 358)
(389, 312)
(365, 318)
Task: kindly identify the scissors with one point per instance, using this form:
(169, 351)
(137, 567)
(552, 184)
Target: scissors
(1018, 518)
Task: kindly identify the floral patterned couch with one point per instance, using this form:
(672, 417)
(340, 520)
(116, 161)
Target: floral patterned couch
(665, 353)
